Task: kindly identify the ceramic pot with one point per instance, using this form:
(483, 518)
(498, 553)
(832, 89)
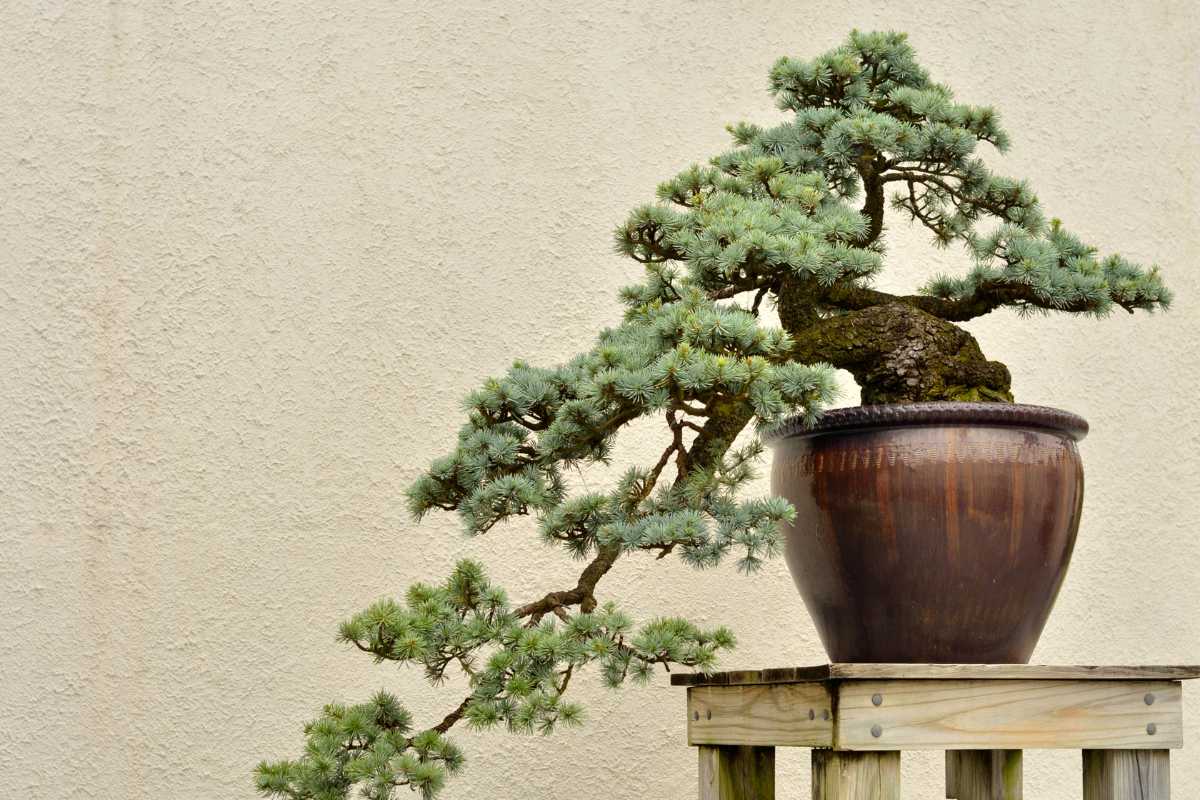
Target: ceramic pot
(931, 532)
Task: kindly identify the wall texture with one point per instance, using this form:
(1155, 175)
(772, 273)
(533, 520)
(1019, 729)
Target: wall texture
(252, 254)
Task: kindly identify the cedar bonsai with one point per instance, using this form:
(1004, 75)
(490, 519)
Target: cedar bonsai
(769, 220)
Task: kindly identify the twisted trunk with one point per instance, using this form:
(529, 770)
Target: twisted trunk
(896, 352)
(870, 169)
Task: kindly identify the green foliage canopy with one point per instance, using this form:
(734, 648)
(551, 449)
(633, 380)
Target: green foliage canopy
(868, 118)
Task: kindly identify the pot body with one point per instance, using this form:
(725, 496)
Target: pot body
(931, 532)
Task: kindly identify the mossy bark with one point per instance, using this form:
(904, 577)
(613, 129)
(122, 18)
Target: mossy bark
(896, 352)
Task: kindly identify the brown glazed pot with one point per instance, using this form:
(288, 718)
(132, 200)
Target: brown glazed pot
(931, 532)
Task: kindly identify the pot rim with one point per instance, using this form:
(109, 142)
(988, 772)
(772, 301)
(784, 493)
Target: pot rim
(905, 415)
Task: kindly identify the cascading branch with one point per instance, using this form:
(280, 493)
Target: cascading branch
(767, 220)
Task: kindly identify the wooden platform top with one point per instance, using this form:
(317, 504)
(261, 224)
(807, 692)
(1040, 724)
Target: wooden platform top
(862, 672)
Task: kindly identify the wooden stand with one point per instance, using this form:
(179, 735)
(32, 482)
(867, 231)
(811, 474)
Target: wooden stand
(859, 717)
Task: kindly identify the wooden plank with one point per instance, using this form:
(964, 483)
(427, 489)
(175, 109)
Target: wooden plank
(749, 676)
(952, 773)
(847, 672)
(790, 714)
(855, 776)
(1011, 672)
(737, 773)
(1008, 715)
(1126, 774)
(989, 775)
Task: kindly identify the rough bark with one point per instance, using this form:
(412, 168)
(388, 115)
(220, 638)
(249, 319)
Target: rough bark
(583, 594)
(896, 352)
(727, 420)
(870, 168)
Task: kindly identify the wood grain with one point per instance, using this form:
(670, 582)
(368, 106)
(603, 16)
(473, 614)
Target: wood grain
(855, 776)
(1012, 672)
(737, 773)
(989, 775)
(796, 714)
(1007, 715)
(849, 672)
(952, 773)
(1126, 775)
(750, 676)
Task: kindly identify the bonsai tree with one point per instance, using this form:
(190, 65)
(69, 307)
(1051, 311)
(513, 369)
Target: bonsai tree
(770, 220)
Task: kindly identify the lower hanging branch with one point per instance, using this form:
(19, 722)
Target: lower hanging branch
(524, 674)
(688, 358)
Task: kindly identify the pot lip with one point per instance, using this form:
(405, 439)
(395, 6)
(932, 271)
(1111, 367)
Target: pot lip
(905, 415)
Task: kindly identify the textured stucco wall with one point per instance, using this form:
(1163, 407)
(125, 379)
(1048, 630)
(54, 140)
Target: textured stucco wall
(251, 256)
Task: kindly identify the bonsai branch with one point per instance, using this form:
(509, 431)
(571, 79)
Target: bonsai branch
(583, 595)
(650, 237)
(676, 448)
(758, 298)
(708, 448)
(749, 283)
(453, 717)
(986, 298)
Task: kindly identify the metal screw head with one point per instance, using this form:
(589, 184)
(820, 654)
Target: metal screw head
(1151, 729)
(876, 731)
(708, 714)
(1149, 698)
(876, 699)
(812, 714)
(695, 715)
(825, 714)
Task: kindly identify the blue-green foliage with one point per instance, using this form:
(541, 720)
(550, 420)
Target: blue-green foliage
(676, 350)
(518, 673)
(1061, 271)
(747, 223)
(370, 746)
(775, 206)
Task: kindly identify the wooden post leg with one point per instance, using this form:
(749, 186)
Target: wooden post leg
(1126, 775)
(989, 775)
(952, 774)
(737, 772)
(855, 776)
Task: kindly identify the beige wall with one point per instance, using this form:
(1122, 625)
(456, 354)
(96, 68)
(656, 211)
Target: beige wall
(251, 256)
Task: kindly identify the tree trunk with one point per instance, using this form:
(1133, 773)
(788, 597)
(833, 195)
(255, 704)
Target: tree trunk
(869, 169)
(896, 353)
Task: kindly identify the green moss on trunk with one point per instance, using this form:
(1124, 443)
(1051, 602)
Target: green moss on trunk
(897, 353)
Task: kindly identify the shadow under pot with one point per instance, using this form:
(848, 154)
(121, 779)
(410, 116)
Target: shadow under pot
(931, 532)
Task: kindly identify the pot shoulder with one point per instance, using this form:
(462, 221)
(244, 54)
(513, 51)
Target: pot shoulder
(1007, 415)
